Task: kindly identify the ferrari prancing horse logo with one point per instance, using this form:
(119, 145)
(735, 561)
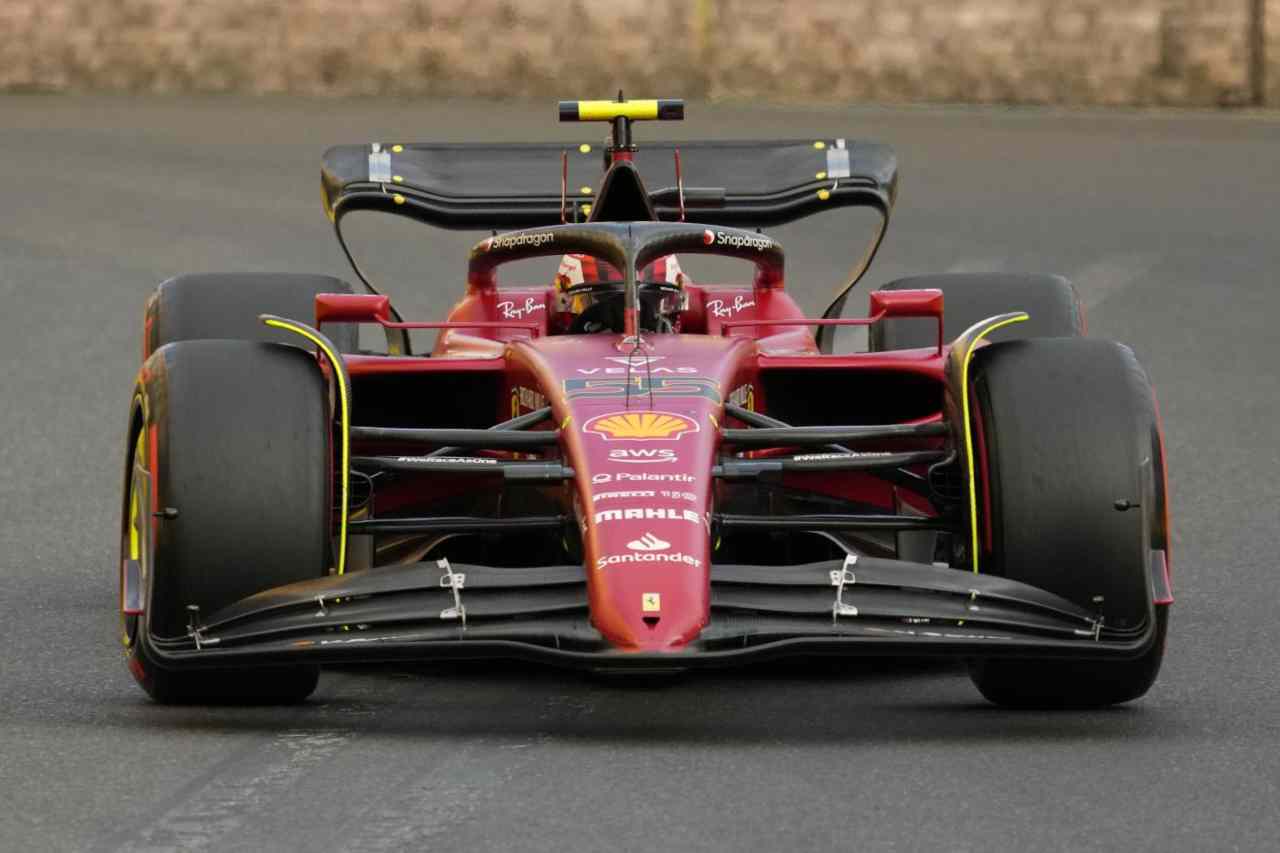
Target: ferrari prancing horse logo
(640, 426)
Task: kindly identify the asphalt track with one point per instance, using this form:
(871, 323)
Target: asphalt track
(1168, 224)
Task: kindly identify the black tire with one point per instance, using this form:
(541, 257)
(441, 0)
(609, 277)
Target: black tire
(226, 305)
(1051, 301)
(241, 434)
(1067, 426)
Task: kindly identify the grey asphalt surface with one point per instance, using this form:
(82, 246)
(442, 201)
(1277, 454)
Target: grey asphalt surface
(1168, 223)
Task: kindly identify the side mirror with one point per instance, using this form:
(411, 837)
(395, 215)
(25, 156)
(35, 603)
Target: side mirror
(352, 308)
(908, 303)
(362, 308)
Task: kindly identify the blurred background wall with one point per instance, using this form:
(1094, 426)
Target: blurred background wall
(1174, 52)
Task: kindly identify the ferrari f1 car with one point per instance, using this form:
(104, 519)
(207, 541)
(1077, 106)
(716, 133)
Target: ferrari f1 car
(623, 470)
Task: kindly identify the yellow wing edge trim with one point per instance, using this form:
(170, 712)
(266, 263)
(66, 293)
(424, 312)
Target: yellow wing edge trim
(968, 429)
(344, 417)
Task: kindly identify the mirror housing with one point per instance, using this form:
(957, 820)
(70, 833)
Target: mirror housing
(352, 308)
(908, 303)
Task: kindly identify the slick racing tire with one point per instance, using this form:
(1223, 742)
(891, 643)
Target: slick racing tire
(1067, 429)
(1051, 301)
(226, 495)
(227, 305)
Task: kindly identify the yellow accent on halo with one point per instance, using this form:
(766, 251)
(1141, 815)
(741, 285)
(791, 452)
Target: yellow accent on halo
(824, 194)
(586, 210)
(344, 426)
(968, 431)
(585, 190)
(397, 198)
(584, 148)
(821, 175)
(398, 179)
(642, 425)
(607, 110)
(567, 420)
(819, 145)
(397, 148)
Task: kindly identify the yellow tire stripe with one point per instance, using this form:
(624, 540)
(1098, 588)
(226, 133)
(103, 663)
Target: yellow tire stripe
(344, 421)
(968, 430)
(135, 538)
(139, 460)
(134, 546)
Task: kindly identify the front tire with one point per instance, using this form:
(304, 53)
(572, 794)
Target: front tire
(967, 298)
(1066, 425)
(226, 306)
(227, 495)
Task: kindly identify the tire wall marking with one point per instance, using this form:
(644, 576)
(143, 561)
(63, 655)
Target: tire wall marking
(344, 416)
(143, 450)
(970, 339)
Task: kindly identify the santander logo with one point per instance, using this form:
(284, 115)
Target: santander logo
(648, 542)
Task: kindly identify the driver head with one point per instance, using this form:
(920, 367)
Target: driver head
(591, 296)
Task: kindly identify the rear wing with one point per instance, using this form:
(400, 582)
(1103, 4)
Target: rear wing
(499, 187)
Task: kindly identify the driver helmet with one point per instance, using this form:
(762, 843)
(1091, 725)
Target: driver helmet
(591, 298)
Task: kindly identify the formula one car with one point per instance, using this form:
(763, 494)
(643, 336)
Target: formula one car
(622, 470)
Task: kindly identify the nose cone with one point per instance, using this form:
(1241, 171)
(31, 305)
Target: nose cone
(640, 429)
(649, 581)
(646, 525)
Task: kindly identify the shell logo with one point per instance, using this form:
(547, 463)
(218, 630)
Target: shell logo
(638, 426)
(708, 236)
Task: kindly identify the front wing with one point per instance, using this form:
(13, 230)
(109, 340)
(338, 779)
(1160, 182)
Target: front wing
(860, 606)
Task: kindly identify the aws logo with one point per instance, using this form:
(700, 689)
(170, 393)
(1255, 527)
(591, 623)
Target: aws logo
(643, 455)
(640, 426)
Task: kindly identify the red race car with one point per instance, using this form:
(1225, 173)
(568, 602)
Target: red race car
(624, 470)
